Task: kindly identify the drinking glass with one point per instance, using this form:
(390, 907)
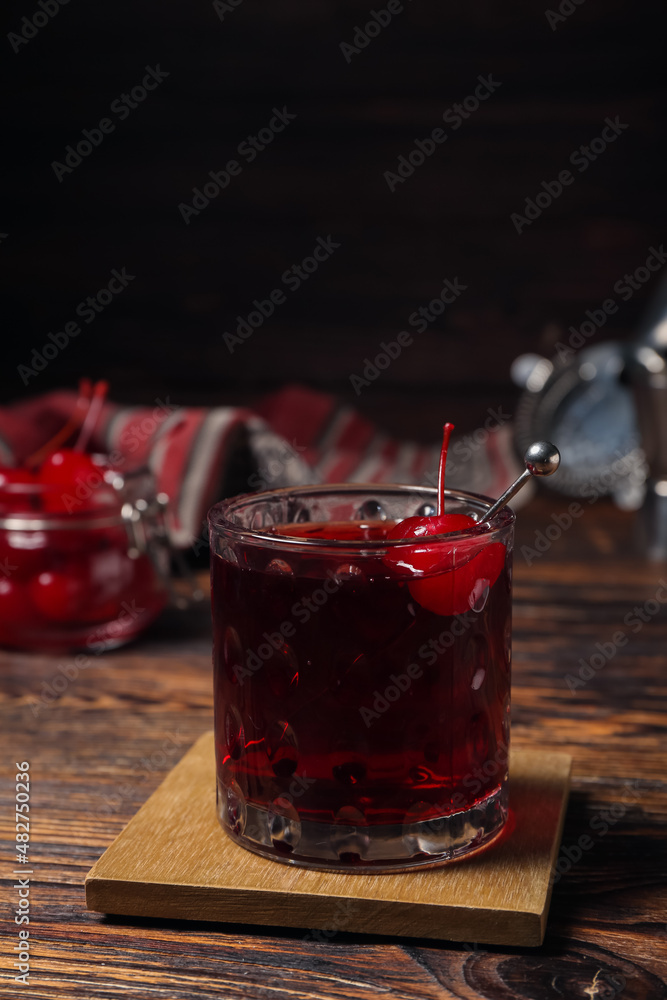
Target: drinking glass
(360, 723)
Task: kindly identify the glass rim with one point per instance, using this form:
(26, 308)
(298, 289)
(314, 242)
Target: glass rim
(68, 521)
(219, 521)
(108, 514)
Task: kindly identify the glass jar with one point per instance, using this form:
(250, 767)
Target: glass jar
(86, 570)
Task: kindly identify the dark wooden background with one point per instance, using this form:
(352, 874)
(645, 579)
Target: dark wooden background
(323, 175)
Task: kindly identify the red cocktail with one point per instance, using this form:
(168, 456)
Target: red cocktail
(362, 682)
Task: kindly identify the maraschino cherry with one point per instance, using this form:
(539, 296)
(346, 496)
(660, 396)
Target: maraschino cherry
(14, 608)
(464, 569)
(60, 596)
(73, 480)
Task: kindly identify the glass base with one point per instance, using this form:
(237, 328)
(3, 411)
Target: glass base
(335, 847)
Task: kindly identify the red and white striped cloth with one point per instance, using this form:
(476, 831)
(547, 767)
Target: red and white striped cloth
(296, 436)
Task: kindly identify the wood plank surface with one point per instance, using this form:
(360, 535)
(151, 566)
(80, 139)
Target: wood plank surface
(98, 750)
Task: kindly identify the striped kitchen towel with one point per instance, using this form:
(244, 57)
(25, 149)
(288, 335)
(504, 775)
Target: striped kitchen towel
(295, 436)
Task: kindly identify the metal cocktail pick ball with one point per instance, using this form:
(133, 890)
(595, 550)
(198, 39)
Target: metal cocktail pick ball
(542, 458)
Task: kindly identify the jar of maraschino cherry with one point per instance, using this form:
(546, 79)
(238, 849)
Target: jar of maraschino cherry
(84, 561)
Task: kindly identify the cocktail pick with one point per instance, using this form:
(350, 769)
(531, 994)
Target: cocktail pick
(542, 458)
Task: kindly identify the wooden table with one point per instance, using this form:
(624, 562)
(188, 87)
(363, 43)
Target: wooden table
(99, 749)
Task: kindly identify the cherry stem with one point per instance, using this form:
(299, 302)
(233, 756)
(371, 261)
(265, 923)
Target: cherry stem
(446, 434)
(94, 410)
(80, 410)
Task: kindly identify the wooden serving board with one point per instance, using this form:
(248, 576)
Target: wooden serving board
(174, 860)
